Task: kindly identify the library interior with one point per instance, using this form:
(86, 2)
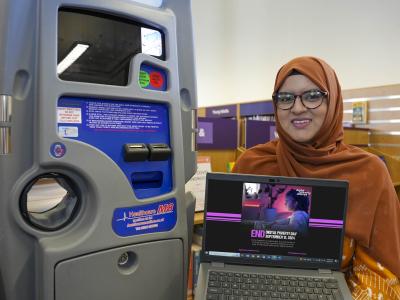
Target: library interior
(199, 149)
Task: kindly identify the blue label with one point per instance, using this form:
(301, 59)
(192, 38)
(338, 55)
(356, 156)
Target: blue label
(58, 150)
(110, 124)
(144, 219)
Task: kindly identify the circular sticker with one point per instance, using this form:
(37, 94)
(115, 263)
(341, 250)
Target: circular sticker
(144, 79)
(58, 150)
(156, 79)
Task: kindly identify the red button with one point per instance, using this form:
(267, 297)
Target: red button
(156, 79)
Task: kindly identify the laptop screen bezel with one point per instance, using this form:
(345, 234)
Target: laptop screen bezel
(284, 181)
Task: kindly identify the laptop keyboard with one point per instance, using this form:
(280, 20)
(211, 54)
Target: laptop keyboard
(247, 286)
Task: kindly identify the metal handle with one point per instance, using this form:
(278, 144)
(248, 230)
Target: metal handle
(5, 108)
(194, 130)
(5, 140)
(5, 129)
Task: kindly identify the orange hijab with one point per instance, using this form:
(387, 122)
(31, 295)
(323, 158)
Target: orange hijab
(373, 216)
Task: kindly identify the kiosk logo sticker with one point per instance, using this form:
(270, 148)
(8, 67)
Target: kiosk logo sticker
(58, 150)
(144, 219)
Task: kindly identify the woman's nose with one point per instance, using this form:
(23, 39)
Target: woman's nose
(298, 106)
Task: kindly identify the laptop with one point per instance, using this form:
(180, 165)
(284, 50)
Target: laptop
(272, 237)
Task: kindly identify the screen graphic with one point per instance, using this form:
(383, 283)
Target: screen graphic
(288, 223)
(279, 209)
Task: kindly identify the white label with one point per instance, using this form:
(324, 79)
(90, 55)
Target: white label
(155, 3)
(151, 42)
(197, 184)
(70, 115)
(67, 131)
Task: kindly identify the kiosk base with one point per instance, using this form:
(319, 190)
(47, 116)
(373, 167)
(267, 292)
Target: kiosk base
(144, 271)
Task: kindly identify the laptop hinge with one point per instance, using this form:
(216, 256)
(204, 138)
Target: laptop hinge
(324, 271)
(217, 264)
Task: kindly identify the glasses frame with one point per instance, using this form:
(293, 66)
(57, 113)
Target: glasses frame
(324, 95)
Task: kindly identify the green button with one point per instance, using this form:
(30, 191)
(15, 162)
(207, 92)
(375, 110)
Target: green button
(144, 79)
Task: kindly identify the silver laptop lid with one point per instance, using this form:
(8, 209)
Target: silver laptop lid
(274, 221)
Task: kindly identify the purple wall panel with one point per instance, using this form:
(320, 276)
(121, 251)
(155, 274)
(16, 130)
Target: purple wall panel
(217, 133)
(259, 132)
(257, 108)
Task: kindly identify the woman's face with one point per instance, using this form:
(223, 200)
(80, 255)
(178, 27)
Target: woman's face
(290, 203)
(299, 122)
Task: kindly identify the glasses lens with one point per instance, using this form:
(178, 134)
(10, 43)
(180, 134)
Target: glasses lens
(313, 98)
(284, 100)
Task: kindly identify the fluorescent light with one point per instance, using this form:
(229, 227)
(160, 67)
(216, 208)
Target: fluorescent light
(385, 132)
(392, 121)
(78, 50)
(385, 109)
(363, 99)
(355, 100)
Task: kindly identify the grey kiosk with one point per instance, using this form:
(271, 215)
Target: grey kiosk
(97, 141)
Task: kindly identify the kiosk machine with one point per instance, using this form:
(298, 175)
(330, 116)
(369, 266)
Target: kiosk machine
(97, 130)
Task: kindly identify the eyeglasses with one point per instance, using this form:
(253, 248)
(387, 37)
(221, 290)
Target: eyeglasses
(310, 99)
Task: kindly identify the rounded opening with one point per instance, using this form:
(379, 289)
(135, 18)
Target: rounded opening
(50, 201)
(127, 262)
(21, 84)
(186, 100)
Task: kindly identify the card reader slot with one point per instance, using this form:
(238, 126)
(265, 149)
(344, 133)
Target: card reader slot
(147, 180)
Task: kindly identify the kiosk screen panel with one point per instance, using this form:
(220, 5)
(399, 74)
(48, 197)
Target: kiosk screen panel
(97, 48)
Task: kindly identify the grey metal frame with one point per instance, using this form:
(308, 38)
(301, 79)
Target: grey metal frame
(38, 265)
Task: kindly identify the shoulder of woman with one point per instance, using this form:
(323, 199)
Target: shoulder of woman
(367, 158)
(246, 161)
(261, 150)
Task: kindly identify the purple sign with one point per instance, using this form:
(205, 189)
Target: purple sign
(226, 111)
(259, 132)
(205, 135)
(216, 133)
(257, 108)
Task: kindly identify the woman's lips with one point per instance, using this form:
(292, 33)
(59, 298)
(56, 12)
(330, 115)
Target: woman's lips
(301, 123)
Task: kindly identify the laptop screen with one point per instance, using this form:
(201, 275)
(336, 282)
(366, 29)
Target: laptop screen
(276, 221)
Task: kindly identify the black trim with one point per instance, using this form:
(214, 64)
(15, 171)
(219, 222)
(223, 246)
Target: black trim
(71, 188)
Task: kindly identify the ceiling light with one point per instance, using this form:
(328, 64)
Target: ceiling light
(75, 53)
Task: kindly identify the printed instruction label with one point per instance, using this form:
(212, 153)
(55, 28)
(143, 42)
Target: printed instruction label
(122, 117)
(144, 219)
(69, 115)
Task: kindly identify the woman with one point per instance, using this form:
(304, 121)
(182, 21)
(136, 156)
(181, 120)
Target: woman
(298, 204)
(309, 113)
